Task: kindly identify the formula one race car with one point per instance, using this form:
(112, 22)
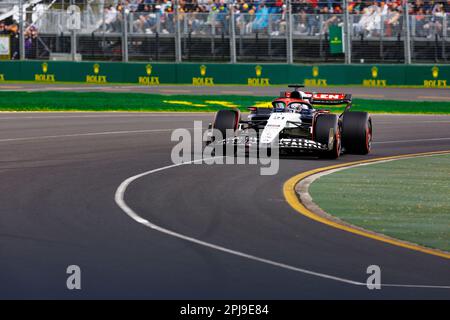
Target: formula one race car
(294, 124)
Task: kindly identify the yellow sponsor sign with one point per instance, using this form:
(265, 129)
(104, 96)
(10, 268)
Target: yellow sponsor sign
(374, 82)
(258, 81)
(148, 80)
(315, 81)
(203, 80)
(435, 72)
(96, 77)
(44, 76)
(199, 81)
(435, 82)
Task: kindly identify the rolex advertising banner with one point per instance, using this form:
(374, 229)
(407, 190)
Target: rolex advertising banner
(336, 43)
(428, 76)
(210, 74)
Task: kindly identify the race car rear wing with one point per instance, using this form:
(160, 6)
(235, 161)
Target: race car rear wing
(329, 98)
(318, 98)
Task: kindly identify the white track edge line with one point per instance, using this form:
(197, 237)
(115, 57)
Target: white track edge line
(104, 133)
(120, 201)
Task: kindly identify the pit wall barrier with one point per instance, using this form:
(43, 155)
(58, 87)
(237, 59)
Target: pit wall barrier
(150, 74)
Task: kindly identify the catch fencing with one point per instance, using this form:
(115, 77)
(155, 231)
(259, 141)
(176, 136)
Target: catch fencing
(92, 33)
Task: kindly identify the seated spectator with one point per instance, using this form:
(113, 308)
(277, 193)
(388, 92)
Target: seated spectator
(3, 29)
(110, 18)
(167, 19)
(147, 20)
(278, 22)
(392, 19)
(261, 18)
(369, 24)
(357, 7)
(212, 19)
(329, 19)
(306, 20)
(420, 20)
(434, 26)
(222, 18)
(243, 15)
(447, 6)
(30, 36)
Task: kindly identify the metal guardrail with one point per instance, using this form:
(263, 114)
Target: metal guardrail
(373, 36)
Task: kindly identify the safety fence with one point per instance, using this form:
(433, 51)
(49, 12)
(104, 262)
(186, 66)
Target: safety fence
(147, 74)
(95, 32)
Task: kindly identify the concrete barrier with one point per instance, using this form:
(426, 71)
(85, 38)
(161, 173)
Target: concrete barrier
(149, 74)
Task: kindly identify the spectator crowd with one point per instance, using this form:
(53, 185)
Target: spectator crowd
(311, 17)
(267, 17)
(10, 27)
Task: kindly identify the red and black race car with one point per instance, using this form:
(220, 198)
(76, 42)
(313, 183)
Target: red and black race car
(295, 123)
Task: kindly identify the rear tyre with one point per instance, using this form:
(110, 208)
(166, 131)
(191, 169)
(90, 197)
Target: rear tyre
(356, 132)
(322, 126)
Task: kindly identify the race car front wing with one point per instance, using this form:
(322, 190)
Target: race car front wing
(283, 143)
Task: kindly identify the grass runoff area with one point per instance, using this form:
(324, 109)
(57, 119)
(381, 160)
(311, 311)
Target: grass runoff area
(105, 101)
(406, 199)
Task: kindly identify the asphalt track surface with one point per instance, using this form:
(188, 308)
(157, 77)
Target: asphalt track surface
(59, 175)
(412, 94)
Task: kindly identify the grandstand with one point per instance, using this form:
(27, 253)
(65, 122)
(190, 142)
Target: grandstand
(221, 30)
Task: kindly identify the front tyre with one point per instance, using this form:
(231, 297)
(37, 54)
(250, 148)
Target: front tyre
(226, 122)
(326, 128)
(356, 132)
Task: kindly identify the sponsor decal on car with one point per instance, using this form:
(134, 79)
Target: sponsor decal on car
(328, 96)
(196, 147)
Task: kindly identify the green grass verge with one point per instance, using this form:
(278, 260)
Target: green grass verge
(104, 101)
(406, 199)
